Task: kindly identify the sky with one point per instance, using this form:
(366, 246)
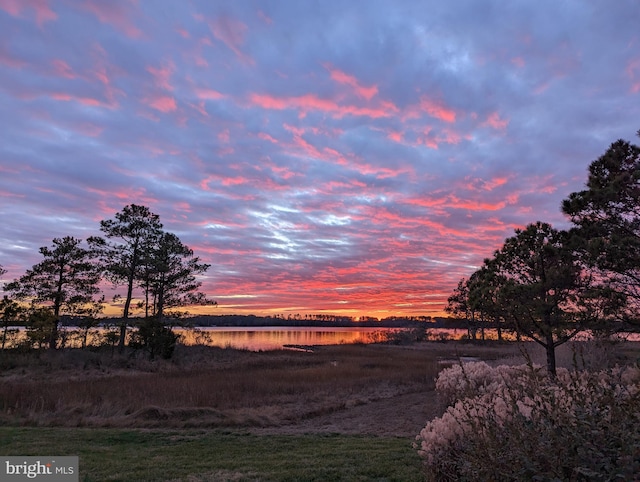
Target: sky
(354, 158)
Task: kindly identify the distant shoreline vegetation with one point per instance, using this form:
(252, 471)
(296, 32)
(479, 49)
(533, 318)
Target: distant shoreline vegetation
(295, 320)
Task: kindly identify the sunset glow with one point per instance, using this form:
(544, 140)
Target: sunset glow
(353, 158)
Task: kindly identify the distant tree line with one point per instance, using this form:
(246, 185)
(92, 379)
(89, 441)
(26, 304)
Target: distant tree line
(308, 320)
(134, 253)
(547, 285)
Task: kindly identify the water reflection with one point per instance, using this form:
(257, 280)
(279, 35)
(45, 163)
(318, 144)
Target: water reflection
(270, 337)
(273, 338)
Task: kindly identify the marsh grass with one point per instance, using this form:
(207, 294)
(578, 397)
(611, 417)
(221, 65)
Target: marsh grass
(208, 386)
(200, 455)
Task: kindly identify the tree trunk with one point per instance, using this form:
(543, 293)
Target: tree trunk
(57, 304)
(53, 337)
(551, 356)
(125, 313)
(160, 302)
(123, 335)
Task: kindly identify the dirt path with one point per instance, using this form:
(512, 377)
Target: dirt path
(402, 416)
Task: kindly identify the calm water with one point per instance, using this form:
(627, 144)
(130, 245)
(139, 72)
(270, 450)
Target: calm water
(270, 337)
(274, 337)
(251, 338)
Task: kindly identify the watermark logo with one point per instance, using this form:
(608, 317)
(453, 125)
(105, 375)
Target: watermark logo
(49, 469)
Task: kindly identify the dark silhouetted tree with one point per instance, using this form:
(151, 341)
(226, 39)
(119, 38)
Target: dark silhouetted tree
(66, 280)
(543, 289)
(130, 235)
(475, 300)
(170, 279)
(173, 275)
(458, 304)
(607, 219)
(484, 297)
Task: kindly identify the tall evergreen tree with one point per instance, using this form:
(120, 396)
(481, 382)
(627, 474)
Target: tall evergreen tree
(607, 219)
(544, 291)
(170, 279)
(66, 280)
(130, 235)
(476, 300)
(173, 272)
(459, 305)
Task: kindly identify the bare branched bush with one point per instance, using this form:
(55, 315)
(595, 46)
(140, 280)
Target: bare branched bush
(515, 423)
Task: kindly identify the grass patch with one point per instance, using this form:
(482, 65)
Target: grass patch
(200, 455)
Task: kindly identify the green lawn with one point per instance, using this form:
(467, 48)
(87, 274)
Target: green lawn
(199, 455)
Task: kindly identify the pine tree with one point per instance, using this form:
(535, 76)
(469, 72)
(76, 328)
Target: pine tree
(66, 280)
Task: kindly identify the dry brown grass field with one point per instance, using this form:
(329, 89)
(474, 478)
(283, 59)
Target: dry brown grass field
(356, 389)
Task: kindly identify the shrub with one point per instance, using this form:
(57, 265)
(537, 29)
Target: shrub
(155, 338)
(514, 423)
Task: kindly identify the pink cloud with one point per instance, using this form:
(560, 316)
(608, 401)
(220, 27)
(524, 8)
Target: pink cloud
(298, 131)
(269, 102)
(481, 184)
(183, 206)
(62, 69)
(102, 70)
(226, 181)
(6, 194)
(306, 147)
(230, 32)
(283, 172)
(395, 136)
(542, 87)
(12, 7)
(437, 109)
(182, 32)
(452, 201)
(162, 76)
(224, 135)
(474, 205)
(89, 101)
(496, 122)
(311, 102)
(200, 107)
(434, 139)
(267, 137)
(41, 8)
(343, 78)
(163, 103)
(113, 13)
(209, 94)
(204, 184)
(234, 181)
(633, 72)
